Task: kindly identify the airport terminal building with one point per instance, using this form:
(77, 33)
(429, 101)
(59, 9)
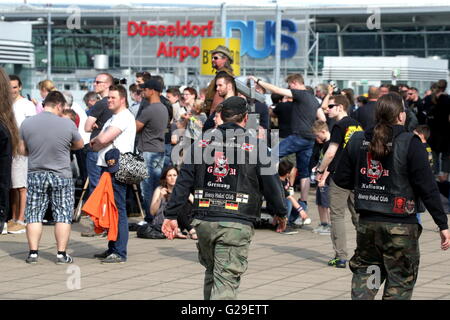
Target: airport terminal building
(70, 44)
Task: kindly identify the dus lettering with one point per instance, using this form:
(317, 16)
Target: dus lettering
(248, 38)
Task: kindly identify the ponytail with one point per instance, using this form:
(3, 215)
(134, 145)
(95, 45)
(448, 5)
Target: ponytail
(387, 111)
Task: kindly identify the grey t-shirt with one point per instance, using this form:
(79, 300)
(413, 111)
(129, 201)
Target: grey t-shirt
(48, 139)
(155, 118)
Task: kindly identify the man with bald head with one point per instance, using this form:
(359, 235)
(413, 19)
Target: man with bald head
(366, 114)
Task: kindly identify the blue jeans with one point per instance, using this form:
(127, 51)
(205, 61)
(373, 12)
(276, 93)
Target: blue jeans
(155, 163)
(167, 156)
(93, 170)
(303, 149)
(119, 246)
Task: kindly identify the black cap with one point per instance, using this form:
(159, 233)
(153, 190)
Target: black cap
(234, 106)
(112, 160)
(152, 84)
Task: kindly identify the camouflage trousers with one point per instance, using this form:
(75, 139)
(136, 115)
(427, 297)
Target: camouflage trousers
(385, 252)
(222, 250)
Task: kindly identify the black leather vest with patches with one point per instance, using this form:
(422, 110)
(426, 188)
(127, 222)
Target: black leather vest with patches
(383, 186)
(226, 181)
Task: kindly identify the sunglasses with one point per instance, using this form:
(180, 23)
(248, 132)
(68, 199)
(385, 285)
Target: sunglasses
(331, 106)
(97, 82)
(216, 58)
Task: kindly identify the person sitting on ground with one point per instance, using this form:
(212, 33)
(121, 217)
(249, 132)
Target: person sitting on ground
(284, 169)
(160, 199)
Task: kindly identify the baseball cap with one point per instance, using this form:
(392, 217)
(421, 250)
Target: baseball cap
(112, 160)
(152, 84)
(234, 106)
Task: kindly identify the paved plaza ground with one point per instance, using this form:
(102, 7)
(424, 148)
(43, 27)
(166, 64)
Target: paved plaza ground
(286, 267)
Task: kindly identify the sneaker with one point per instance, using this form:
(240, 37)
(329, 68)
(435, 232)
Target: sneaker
(338, 263)
(298, 221)
(306, 221)
(16, 228)
(60, 259)
(102, 255)
(32, 259)
(289, 230)
(318, 229)
(325, 231)
(113, 258)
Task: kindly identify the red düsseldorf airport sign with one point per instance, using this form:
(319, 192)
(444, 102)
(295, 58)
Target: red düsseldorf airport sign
(178, 29)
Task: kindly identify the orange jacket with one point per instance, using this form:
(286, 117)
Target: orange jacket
(102, 208)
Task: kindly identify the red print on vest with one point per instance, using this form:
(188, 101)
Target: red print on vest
(220, 166)
(374, 168)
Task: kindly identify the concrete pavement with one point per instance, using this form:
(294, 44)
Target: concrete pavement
(286, 267)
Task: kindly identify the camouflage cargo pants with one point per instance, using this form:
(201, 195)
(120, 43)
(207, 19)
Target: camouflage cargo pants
(385, 252)
(222, 250)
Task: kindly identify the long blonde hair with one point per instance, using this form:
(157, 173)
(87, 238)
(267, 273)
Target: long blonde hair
(7, 117)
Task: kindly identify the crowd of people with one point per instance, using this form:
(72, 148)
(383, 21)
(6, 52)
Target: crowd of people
(40, 137)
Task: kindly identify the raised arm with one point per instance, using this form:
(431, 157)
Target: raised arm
(272, 88)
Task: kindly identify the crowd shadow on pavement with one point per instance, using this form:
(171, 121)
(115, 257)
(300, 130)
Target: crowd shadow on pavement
(191, 256)
(303, 253)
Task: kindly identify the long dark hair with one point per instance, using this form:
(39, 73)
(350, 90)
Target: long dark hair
(162, 179)
(7, 117)
(387, 111)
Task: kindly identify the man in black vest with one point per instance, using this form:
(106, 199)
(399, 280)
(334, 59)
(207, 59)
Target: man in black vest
(388, 169)
(228, 177)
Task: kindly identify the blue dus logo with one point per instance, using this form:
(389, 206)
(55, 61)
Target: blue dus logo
(248, 38)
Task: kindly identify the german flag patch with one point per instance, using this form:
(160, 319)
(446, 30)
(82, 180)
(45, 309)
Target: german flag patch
(203, 203)
(231, 205)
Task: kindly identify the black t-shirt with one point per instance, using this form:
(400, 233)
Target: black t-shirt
(303, 113)
(263, 111)
(283, 110)
(340, 134)
(101, 112)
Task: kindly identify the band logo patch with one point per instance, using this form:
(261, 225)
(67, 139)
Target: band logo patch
(231, 205)
(399, 205)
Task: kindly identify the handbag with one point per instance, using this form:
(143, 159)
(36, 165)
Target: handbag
(132, 168)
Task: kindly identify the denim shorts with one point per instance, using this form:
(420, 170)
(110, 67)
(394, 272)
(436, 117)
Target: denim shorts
(322, 197)
(46, 186)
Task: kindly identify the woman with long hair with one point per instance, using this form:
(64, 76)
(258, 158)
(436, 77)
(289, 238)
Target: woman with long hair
(389, 170)
(9, 144)
(159, 201)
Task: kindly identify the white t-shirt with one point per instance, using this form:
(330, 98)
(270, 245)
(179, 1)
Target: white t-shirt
(23, 108)
(125, 121)
(83, 117)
